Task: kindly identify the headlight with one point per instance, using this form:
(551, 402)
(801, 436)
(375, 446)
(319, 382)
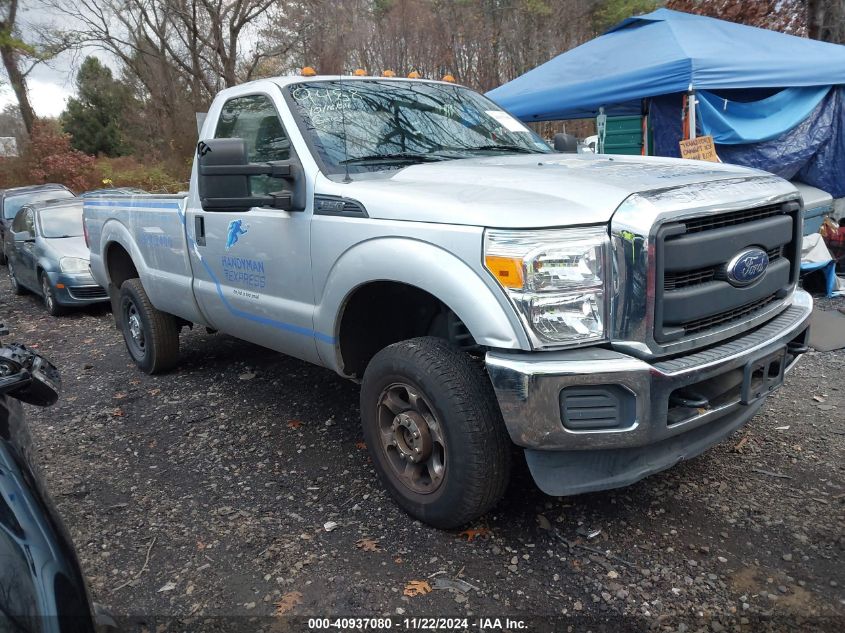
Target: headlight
(73, 265)
(555, 278)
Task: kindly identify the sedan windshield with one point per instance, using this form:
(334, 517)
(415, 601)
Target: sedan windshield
(61, 221)
(390, 124)
(13, 203)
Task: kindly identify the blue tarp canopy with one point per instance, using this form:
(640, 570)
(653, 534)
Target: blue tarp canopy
(665, 52)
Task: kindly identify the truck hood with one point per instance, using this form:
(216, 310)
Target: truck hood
(522, 191)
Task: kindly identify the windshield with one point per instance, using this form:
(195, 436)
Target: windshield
(13, 204)
(391, 124)
(61, 221)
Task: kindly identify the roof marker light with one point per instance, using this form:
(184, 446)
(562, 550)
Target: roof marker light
(308, 71)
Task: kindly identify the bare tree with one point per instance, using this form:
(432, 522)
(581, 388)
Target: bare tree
(11, 48)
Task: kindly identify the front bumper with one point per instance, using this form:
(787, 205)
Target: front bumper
(71, 289)
(664, 425)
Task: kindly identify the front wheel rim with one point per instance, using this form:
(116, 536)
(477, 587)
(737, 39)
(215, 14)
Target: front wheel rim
(48, 296)
(411, 438)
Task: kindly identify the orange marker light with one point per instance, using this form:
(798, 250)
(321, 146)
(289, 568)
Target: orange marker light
(60, 286)
(449, 78)
(308, 71)
(506, 269)
(360, 72)
(414, 75)
(388, 73)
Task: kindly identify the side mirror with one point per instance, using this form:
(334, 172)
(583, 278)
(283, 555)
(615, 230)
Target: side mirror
(223, 173)
(28, 376)
(566, 143)
(24, 236)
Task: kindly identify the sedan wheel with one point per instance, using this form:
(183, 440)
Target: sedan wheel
(49, 297)
(13, 280)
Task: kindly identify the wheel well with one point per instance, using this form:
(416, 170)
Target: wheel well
(381, 313)
(119, 265)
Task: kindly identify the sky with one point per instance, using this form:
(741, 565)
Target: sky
(49, 89)
(50, 84)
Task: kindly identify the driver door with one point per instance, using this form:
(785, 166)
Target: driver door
(23, 253)
(252, 270)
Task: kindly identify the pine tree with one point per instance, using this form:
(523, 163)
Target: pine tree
(95, 117)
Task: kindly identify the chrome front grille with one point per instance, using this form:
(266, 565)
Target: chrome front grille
(670, 293)
(693, 294)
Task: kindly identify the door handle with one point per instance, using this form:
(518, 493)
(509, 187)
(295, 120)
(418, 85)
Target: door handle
(199, 230)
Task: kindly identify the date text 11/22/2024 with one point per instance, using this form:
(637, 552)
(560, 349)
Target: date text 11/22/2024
(481, 624)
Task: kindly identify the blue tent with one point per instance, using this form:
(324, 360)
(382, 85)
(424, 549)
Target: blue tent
(770, 100)
(665, 52)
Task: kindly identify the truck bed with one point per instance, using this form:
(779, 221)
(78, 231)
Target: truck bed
(151, 228)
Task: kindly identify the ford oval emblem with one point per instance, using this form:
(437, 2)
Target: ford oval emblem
(747, 267)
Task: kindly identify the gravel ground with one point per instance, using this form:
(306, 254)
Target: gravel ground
(205, 492)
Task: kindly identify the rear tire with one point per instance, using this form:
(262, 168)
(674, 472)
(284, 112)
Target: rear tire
(151, 336)
(3, 258)
(435, 432)
(13, 281)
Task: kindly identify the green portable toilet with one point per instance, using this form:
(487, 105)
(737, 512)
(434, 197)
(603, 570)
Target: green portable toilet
(624, 135)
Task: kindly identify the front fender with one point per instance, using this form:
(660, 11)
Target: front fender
(486, 313)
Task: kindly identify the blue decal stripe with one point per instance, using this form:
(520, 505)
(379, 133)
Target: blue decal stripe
(289, 327)
(281, 325)
(131, 203)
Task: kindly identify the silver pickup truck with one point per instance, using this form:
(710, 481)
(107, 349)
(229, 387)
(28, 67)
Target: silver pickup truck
(608, 315)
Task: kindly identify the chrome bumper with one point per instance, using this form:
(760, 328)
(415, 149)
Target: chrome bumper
(528, 385)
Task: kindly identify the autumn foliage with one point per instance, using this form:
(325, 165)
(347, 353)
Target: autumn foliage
(49, 157)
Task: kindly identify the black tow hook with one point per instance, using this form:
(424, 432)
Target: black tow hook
(795, 348)
(689, 398)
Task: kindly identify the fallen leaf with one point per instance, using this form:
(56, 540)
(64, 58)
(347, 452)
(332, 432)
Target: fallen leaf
(119, 396)
(88, 341)
(472, 534)
(360, 446)
(543, 523)
(288, 602)
(294, 424)
(200, 545)
(247, 376)
(154, 392)
(417, 588)
(118, 413)
(367, 544)
(169, 586)
(739, 445)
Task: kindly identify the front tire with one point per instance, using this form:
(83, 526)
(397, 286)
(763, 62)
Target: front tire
(151, 336)
(435, 432)
(51, 304)
(13, 280)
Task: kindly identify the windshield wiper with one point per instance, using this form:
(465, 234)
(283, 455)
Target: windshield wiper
(502, 147)
(393, 158)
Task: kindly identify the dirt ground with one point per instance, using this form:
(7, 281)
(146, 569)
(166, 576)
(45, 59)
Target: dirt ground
(206, 492)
